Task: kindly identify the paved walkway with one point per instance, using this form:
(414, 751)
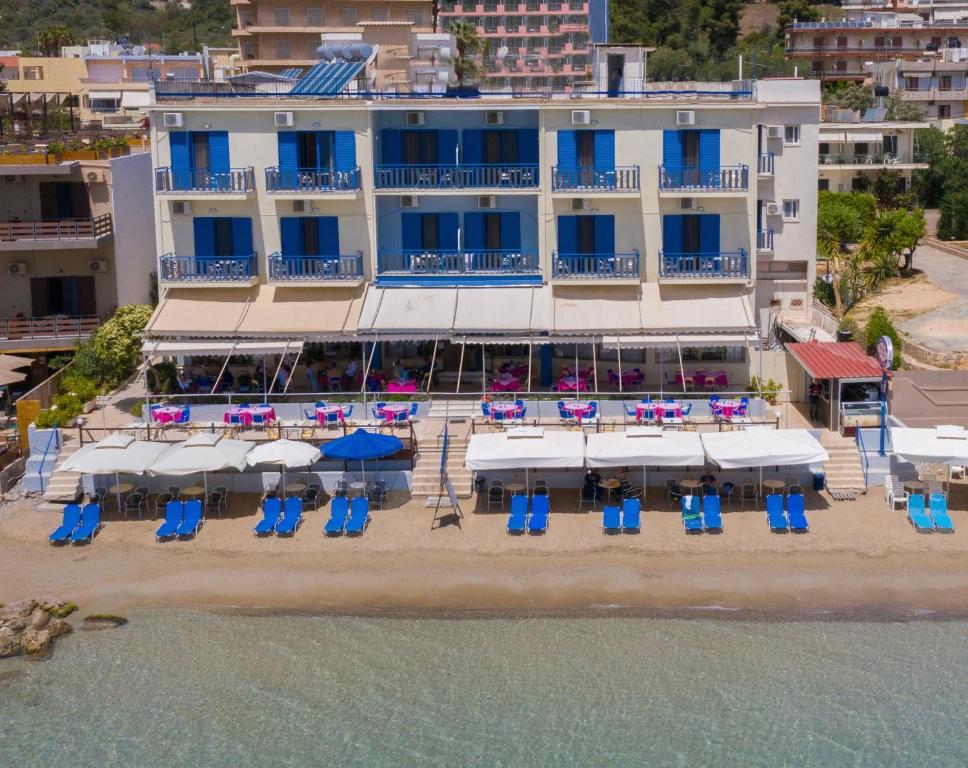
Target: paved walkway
(944, 329)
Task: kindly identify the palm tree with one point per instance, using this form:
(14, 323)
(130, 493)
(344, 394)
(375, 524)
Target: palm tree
(829, 248)
(468, 42)
(51, 39)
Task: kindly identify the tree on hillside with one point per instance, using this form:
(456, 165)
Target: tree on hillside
(797, 10)
(52, 39)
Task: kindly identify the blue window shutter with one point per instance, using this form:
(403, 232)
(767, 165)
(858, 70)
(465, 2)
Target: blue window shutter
(288, 150)
(290, 230)
(447, 148)
(605, 151)
(528, 146)
(204, 235)
(241, 236)
(472, 150)
(709, 233)
(567, 234)
(605, 234)
(410, 232)
(218, 152)
(709, 156)
(672, 234)
(474, 231)
(447, 224)
(328, 235)
(567, 151)
(511, 231)
(344, 151)
(392, 142)
(180, 159)
(672, 151)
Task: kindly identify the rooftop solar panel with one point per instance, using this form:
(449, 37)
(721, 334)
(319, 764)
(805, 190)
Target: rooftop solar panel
(327, 79)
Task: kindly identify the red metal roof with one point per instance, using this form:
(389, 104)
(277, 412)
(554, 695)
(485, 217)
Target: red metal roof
(835, 360)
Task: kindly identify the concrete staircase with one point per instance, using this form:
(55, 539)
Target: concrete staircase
(62, 487)
(844, 471)
(426, 471)
(453, 409)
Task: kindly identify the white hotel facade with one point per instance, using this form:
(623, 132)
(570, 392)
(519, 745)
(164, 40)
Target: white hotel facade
(632, 223)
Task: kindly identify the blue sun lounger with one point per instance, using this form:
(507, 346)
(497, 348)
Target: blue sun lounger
(72, 518)
(291, 517)
(631, 516)
(192, 521)
(939, 514)
(174, 512)
(518, 519)
(90, 524)
(271, 509)
(798, 520)
(774, 513)
(916, 514)
(359, 516)
(538, 522)
(611, 519)
(338, 510)
(691, 520)
(712, 520)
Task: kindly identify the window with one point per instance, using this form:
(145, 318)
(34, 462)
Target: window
(823, 185)
(33, 73)
(248, 50)
(283, 49)
(791, 210)
(702, 354)
(791, 135)
(890, 145)
(282, 17)
(944, 82)
(381, 13)
(315, 18)
(349, 17)
(416, 15)
(944, 111)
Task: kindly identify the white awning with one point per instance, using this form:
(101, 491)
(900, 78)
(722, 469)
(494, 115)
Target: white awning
(600, 309)
(864, 137)
(661, 341)
(939, 445)
(832, 137)
(645, 446)
(915, 73)
(104, 95)
(135, 99)
(527, 448)
(228, 347)
(763, 447)
(703, 308)
(322, 315)
(199, 312)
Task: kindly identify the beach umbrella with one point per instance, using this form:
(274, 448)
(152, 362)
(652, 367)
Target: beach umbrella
(287, 454)
(527, 447)
(362, 446)
(11, 362)
(941, 445)
(116, 454)
(763, 447)
(10, 377)
(203, 453)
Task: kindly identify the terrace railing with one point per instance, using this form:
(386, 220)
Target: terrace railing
(604, 266)
(207, 268)
(465, 262)
(731, 264)
(764, 240)
(870, 158)
(61, 229)
(620, 179)
(765, 163)
(435, 176)
(731, 178)
(79, 326)
(312, 180)
(297, 268)
(204, 180)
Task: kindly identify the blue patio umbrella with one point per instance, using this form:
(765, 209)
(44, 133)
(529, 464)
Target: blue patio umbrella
(362, 446)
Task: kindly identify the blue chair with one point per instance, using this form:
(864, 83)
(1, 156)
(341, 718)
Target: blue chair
(774, 513)
(320, 403)
(271, 509)
(916, 514)
(521, 412)
(401, 417)
(72, 518)
(413, 408)
(518, 519)
(538, 521)
(592, 409)
(687, 409)
(291, 517)
(347, 411)
(89, 526)
(174, 512)
(338, 511)
(630, 410)
(192, 521)
(258, 419)
(939, 513)
(631, 516)
(359, 516)
(497, 415)
(611, 519)
(378, 414)
(185, 416)
(486, 409)
(235, 419)
(309, 414)
(332, 419)
(245, 405)
(711, 518)
(691, 519)
(380, 405)
(795, 507)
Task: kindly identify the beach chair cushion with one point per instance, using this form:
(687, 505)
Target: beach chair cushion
(711, 518)
(174, 512)
(631, 515)
(192, 520)
(939, 513)
(291, 517)
(359, 516)
(71, 519)
(916, 514)
(271, 509)
(89, 525)
(691, 519)
(795, 513)
(611, 519)
(538, 521)
(775, 514)
(518, 519)
(338, 510)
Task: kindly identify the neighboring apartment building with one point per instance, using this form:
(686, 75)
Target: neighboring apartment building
(928, 10)
(646, 225)
(938, 84)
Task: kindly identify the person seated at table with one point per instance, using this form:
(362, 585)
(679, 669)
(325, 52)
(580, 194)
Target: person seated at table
(311, 379)
(245, 383)
(590, 488)
(400, 371)
(184, 381)
(349, 375)
(282, 376)
(228, 381)
(709, 487)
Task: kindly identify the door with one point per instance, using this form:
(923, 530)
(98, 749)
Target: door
(492, 232)
(690, 234)
(586, 234)
(616, 70)
(586, 157)
(690, 158)
(62, 296)
(64, 200)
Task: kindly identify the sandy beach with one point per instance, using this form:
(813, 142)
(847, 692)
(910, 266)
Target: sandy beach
(859, 558)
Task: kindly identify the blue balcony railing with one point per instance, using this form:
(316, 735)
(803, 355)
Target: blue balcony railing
(504, 176)
(189, 269)
(465, 262)
(732, 178)
(621, 179)
(204, 180)
(604, 266)
(297, 268)
(312, 180)
(764, 240)
(765, 163)
(733, 264)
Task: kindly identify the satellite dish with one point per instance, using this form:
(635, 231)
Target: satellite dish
(366, 51)
(502, 53)
(326, 52)
(346, 52)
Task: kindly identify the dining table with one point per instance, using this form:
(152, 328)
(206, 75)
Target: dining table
(507, 410)
(774, 486)
(245, 413)
(572, 384)
(610, 486)
(167, 414)
(725, 408)
(632, 377)
(402, 385)
(515, 369)
(193, 491)
(579, 409)
(506, 383)
(391, 411)
(323, 411)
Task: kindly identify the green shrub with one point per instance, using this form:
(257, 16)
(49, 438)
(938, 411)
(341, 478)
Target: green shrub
(953, 222)
(162, 378)
(769, 389)
(879, 324)
(824, 292)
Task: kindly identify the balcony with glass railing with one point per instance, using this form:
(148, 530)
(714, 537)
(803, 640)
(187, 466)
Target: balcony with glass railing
(233, 181)
(701, 266)
(225, 271)
(301, 270)
(596, 266)
(467, 266)
(311, 180)
(619, 179)
(497, 176)
(692, 179)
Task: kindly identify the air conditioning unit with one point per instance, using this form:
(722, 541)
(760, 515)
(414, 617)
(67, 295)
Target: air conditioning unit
(415, 118)
(302, 206)
(581, 117)
(409, 201)
(17, 268)
(774, 131)
(94, 177)
(181, 208)
(580, 204)
(773, 209)
(494, 118)
(688, 204)
(685, 117)
(486, 201)
(282, 119)
(9, 179)
(172, 120)
(98, 265)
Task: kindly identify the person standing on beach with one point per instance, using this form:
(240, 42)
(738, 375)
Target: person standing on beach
(814, 398)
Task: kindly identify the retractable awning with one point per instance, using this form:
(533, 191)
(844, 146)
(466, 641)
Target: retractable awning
(225, 347)
(864, 137)
(323, 315)
(199, 312)
(664, 340)
(832, 137)
(104, 95)
(135, 99)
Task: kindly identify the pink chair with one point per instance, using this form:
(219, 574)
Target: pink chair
(722, 380)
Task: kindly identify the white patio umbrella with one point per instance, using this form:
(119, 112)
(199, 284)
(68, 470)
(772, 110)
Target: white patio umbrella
(940, 445)
(203, 453)
(763, 447)
(527, 447)
(12, 362)
(643, 447)
(116, 454)
(287, 454)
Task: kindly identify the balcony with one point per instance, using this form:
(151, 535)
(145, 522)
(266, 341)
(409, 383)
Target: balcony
(764, 241)
(429, 177)
(731, 178)
(209, 271)
(765, 163)
(866, 160)
(236, 182)
(312, 181)
(312, 270)
(701, 266)
(596, 266)
(467, 267)
(621, 179)
(17, 332)
(63, 234)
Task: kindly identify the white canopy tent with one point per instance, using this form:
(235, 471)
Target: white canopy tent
(941, 445)
(643, 447)
(203, 453)
(526, 448)
(287, 454)
(763, 447)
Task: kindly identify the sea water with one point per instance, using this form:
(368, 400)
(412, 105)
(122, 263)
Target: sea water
(204, 689)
